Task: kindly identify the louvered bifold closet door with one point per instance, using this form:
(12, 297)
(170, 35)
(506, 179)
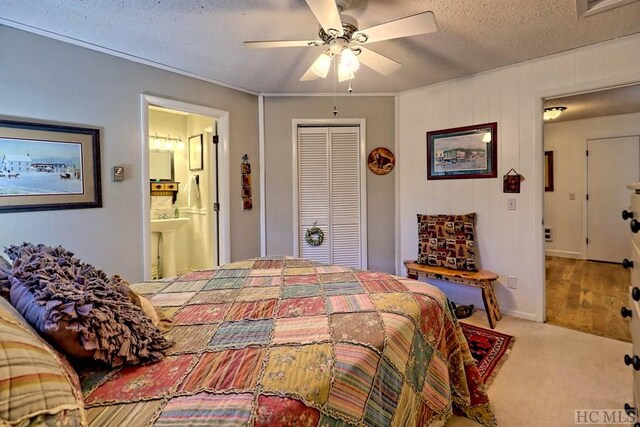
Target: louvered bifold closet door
(345, 196)
(313, 190)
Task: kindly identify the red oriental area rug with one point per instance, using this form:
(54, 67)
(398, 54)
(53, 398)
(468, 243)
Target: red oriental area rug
(489, 349)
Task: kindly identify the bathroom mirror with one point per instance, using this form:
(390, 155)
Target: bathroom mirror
(161, 165)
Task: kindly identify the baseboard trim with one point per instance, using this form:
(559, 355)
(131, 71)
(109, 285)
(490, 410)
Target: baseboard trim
(461, 294)
(505, 311)
(563, 254)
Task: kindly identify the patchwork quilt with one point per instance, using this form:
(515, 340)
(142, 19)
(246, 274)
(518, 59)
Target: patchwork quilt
(288, 342)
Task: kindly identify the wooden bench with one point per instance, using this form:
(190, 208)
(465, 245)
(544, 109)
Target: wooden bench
(483, 279)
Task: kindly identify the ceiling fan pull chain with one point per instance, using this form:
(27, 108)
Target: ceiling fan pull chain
(335, 77)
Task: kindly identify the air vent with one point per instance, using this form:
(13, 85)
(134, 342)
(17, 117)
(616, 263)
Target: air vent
(586, 8)
(548, 234)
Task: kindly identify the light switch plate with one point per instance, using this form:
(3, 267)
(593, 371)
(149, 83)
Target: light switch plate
(118, 173)
(511, 204)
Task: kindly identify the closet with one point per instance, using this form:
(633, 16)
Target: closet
(330, 196)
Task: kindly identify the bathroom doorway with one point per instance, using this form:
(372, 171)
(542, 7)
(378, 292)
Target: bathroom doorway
(185, 187)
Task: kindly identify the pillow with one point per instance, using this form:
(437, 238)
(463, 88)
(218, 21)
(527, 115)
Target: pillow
(5, 271)
(138, 300)
(38, 386)
(447, 241)
(82, 311)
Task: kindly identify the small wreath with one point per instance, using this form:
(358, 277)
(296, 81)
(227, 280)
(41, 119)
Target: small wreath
(314, 236)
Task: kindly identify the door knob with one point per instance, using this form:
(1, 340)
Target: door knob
(625, 312)
(634, 361)
(635, 225)
(627, 264)
(630, 410)
(627, 214)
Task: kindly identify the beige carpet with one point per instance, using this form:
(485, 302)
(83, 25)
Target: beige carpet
(552, 371)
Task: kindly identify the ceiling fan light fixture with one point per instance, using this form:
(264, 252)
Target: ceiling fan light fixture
(321, 65)
(344, 73)
(349, 60)
(551, 113)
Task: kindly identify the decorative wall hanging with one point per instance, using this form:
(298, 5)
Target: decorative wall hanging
(314, 235)
(47, 167)
(511, 181)
(195, 153)
(381, 161)
(464, 152)
(548, 171)
(246, 184)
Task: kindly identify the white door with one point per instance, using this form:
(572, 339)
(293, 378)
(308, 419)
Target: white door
(330, 194)
(313, 190)
(345, 196)
(612, 164)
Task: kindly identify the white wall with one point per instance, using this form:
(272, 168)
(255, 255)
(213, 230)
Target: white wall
(509, 242)
(568, 141)
(52, 81)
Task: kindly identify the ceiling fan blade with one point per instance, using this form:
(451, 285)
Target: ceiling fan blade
(377, 62)
(282, 43)
(326, 13)
(421, 23)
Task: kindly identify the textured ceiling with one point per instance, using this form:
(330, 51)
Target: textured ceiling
(609, 102)
(204, 37)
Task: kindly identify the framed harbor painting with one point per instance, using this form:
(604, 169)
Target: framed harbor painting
(463, 152)
(47, 167)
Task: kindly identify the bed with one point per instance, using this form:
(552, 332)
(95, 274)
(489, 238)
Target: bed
(288, 342)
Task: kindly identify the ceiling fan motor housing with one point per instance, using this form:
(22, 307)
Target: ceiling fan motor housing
(349, 27)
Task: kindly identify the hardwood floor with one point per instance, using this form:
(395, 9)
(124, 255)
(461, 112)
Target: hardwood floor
(587, 296)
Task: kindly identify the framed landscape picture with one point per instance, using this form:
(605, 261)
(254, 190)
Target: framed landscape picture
(464, 152)
(46, 167)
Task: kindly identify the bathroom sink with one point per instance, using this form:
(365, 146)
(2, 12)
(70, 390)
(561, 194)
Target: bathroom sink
(168, 225)
(167, 229)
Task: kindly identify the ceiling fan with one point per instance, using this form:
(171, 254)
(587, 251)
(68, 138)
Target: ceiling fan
(345, 40)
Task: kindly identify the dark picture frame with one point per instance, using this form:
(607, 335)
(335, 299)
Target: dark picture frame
(463, 152)
(196, 154)
(548, 171)
(48, 167)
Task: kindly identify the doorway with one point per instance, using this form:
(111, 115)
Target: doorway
(596, 154)
(200, 190)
